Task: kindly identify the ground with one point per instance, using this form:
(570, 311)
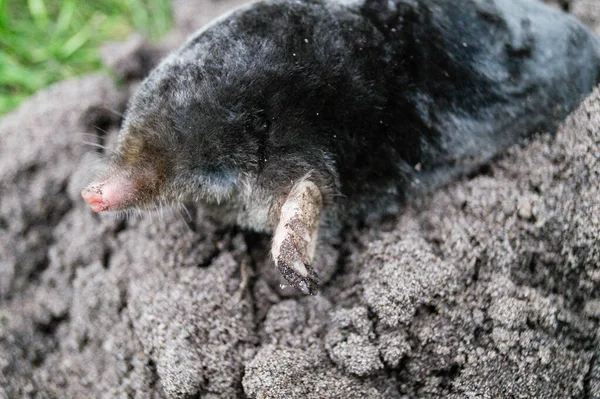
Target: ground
(489, 288)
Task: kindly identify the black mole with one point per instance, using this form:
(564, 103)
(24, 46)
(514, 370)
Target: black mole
(285, 114)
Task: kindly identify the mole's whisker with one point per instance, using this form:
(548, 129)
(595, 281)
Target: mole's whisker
(96, 145)
(186, 211)
(100, 129)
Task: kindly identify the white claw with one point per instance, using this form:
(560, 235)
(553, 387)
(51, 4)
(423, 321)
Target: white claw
(300, 268)
(303, 287)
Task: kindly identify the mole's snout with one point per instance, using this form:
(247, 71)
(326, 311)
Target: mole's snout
(93, 196)
(109, 193)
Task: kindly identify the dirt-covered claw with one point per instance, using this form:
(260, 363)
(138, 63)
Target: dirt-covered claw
(295, 238)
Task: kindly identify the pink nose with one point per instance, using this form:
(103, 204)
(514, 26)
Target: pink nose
(94, 198)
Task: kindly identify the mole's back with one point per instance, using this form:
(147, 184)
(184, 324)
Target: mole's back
(487, 72)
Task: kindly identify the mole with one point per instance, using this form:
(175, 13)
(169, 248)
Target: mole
(286, 115)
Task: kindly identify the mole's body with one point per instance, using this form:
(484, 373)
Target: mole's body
(286, 112)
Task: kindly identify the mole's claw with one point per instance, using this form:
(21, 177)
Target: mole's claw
(308, 285)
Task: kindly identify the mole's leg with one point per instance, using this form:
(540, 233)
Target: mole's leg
(295, 237)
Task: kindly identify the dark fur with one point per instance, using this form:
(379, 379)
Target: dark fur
(374, 102)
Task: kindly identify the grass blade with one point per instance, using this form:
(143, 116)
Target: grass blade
(37, 9)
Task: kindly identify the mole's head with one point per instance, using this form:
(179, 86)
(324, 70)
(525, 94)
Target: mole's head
(187, 136)
(240, 101)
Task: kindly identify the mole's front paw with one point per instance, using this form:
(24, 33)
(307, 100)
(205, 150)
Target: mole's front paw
(295, 237)
(293, 267)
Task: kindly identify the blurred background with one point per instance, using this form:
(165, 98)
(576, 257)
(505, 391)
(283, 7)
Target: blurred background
(45, 41)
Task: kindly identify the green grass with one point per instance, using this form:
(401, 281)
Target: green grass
(45, 41)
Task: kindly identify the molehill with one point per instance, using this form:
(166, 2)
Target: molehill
(488, 288)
